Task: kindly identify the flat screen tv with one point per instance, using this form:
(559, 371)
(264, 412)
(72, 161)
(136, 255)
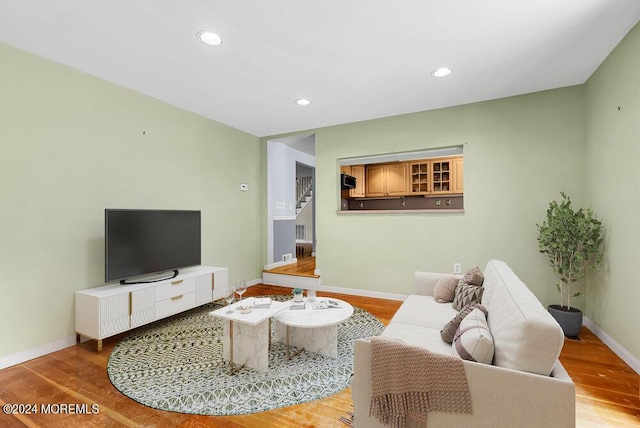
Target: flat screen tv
(144, 242)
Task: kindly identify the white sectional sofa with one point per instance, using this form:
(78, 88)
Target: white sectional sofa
(526, 386)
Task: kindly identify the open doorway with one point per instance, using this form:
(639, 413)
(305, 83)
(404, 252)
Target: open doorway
(305, 211)
(291, 210)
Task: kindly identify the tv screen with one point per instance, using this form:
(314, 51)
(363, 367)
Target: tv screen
(141, 242)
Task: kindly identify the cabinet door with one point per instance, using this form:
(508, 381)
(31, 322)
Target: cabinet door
(375, 181)
(458, 175)
(419, 173)
(397, 176)
(204, 288)
(220, 283)
(114, 314)
(358, 172)
(143, 306)
(442, 176)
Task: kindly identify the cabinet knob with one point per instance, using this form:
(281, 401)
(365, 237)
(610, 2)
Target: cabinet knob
(177, 282)
(178, 297)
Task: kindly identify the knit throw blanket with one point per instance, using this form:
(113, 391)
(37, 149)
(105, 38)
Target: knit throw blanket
(409, 381)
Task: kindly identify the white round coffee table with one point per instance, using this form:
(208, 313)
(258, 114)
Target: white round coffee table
(313, 330)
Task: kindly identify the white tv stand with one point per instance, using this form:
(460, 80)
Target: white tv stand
(104, 311)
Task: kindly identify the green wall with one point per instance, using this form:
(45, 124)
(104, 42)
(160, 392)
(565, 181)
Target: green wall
(72, 145)
(519, 153)
(613, 188)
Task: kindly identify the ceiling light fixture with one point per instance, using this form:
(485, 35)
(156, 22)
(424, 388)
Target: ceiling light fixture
(209, 38)
(303, 102)
(442, 72)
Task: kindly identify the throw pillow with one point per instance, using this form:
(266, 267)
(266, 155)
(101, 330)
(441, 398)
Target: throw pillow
(465, 295)
(473, 340)
(449, 330)
(445, 288)
(474, 276)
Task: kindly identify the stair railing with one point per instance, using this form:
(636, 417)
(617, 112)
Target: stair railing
(303, 186)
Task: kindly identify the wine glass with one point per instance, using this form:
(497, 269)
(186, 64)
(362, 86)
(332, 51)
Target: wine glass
(241, 287)
(229, 296)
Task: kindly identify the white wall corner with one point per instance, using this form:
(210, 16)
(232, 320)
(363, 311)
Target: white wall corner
(38, 351)
(617, 348)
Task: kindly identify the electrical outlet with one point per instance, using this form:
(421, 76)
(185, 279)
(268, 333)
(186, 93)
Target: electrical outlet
(457, 268)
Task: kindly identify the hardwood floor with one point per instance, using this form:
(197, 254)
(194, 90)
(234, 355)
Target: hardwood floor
(304, 267)
(607, 390)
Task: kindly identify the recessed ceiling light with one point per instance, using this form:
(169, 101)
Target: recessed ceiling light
(303, 102)
(209, 38)
(441, 72)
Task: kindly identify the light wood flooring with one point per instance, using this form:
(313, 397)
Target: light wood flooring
(606, 388)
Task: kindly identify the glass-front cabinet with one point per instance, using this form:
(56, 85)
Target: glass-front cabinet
(441, 171)
(419, 177)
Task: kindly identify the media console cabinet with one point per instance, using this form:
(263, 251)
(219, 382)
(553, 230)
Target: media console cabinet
(105, 311)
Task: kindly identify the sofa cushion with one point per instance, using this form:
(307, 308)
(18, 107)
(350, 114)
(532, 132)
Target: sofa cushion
(424, 311)
(465, 295)
(449, 330)
(474, 276)
(418, 336)
(445, 289)
(526, 337)
(473, 339)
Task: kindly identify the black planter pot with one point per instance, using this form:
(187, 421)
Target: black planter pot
(569, 319)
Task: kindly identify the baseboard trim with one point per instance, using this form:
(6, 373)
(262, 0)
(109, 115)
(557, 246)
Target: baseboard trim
(282, 263)
(364, 293)
(616, 347)
(253, 282)
(38, 351)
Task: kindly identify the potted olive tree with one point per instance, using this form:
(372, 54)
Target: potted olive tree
(573, 241)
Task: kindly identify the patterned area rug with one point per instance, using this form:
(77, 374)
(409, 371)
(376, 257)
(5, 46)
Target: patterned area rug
(176, 364)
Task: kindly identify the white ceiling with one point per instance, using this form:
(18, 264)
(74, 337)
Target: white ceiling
(354, 59)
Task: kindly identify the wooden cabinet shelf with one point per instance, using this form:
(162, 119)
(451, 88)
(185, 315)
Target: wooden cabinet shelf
(419, 180)
(356, 171)
(441, 183)
(386, 179)
(421, 177)
(439, 176)
(458, 175)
